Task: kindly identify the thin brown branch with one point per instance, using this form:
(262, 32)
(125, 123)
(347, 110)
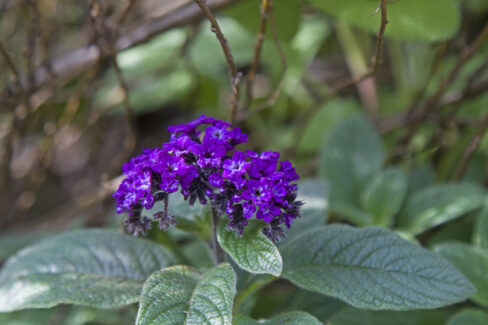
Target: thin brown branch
(376, 61)
(471, 148)
(105, 42)
(10, 65)
(119, 19)
(377, 58)
(434, 102)
(266, 7)
(66, 66)
(234, 74)
(284, 66)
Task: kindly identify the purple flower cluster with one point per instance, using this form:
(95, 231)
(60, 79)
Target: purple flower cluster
(200, 160)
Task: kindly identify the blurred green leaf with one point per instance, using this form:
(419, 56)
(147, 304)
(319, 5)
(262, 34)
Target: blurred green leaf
(27, 317)
(286, 13)
(480, 235)
(407, 20)
(353, 154)
(438, 204)
(469, 317)
(354, 316)
(180, 295)
(252, 251)
(473, 262)
(372, 268)
(99, 268)
(11, 242)
(383, 196)
(327, 117)
(290, 318)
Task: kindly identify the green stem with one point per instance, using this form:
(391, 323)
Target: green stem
(218, 252)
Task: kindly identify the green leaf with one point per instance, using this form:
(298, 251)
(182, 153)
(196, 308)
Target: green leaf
(372, 268)
(252, 251)
(96, 267)
(331, 113)
(438, 204)
(165, 296)
(473, 262)
(291, 318)
(407, 20)
(354, 316)
(352, 156)
(211, 301)
(286, 14)
(469, 316)
(384, 196)
(480, 235)
(180, 295)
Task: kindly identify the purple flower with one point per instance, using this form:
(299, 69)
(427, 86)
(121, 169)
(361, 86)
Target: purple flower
(235, 167)
(200, 161)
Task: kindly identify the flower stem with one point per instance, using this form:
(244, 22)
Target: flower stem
(218, 252)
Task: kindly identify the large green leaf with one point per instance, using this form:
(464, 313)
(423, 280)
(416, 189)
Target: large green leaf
(473, 262)
(252, 251)
(352, 156)
(180, 295)
(407, 19)
(469, 317)
(372, 268)
(438, 204)
(384, 196)
(291, 318)
(96, 267)
(480, 235)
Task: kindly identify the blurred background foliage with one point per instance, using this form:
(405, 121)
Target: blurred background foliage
(86, 84)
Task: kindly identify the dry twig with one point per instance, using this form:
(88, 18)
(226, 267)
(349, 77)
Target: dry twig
(234, 74)
(471, 148)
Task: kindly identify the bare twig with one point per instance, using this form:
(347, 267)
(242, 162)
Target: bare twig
(119, 19)
(377, 58)
(275, 93)
(376, 61)
(471, 148)
(106, 45)
(234, 74)
(71, 64)
(10, 65)
(266, 7)
(434, 102)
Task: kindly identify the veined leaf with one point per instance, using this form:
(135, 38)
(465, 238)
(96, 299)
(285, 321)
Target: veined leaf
(99, 268)
(372, 268)
(473, 262)
(180, 295)
(252, 251)
(438, 204)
